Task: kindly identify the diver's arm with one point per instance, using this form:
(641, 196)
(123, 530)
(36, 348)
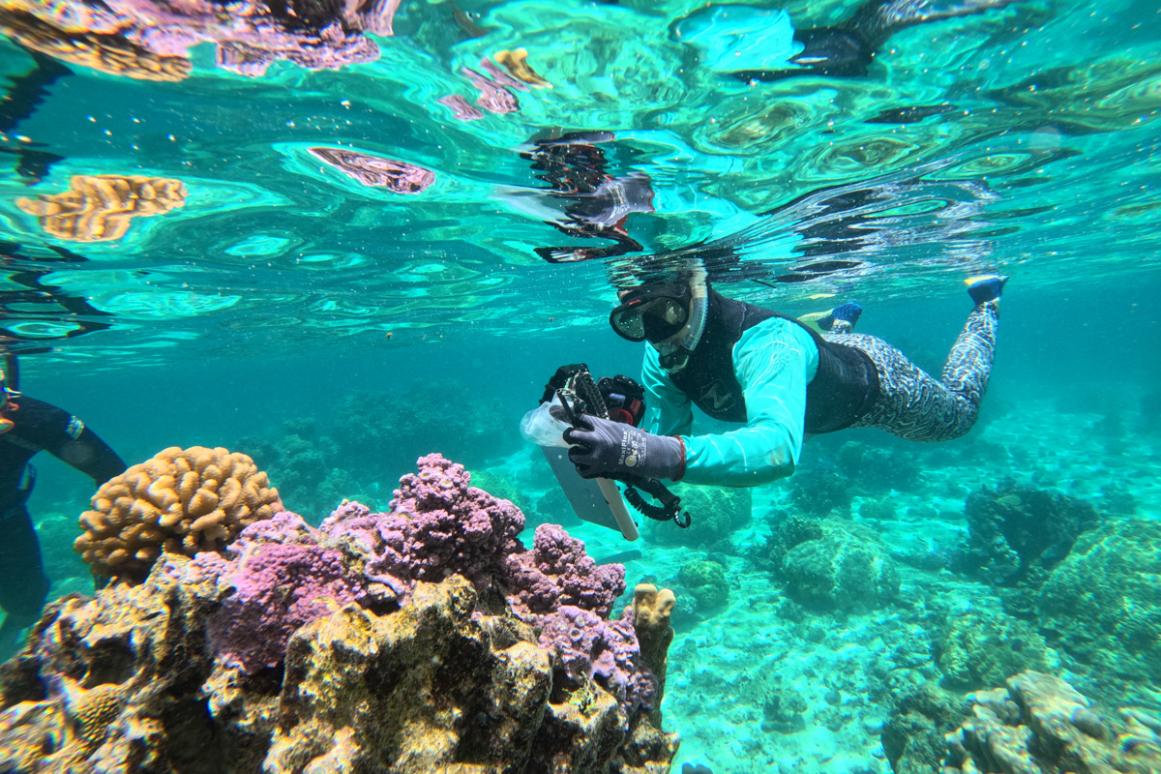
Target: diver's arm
(65, 436)
(667, 409)
(773, 362)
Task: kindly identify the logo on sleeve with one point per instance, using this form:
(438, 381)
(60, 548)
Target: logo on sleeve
(75, 428)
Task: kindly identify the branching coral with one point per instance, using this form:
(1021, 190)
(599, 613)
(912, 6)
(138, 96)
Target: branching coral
(180, 501)
(99, 208)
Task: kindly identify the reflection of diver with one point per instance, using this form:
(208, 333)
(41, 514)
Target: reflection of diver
(754, 44)
(21, 99)
(28, 297)
(596, 204)
(29, 426)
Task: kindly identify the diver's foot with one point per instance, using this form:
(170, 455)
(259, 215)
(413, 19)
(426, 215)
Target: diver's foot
(842, 318)
(985, 287)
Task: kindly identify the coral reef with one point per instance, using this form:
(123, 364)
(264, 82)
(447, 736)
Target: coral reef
(368, 648)
(1101, 604)
(982, 649)
(181, 501)
(106, 52)
(830, 564)
(1042, 724)
(820, 493)
(377, 171)
(1016, 533)
(99, 208)
(249, 38)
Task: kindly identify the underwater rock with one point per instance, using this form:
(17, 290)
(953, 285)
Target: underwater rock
(1040, 723)
(1102, 606)
(979, 650)
(390, 642)
(704, 583)
(1016, 533)
(828, 564)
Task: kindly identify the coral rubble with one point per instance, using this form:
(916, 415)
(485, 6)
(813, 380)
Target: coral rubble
(426, 638)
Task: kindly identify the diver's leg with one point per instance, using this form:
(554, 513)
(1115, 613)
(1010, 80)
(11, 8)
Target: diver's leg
(911, 403)
(969, 364)
(24, 586)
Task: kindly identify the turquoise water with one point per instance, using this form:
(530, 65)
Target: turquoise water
(336, 330)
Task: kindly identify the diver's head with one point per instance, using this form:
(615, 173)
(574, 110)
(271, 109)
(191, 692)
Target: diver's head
(669, 313)
(6, 404)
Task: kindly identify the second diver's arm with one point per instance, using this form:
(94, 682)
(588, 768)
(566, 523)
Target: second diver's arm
(773, 362)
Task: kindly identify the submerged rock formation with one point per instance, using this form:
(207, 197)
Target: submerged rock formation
(411, 641)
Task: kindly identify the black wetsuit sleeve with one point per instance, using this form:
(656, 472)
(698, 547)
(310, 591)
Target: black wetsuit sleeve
(65, 436)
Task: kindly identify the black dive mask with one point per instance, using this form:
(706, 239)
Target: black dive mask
(653, 312)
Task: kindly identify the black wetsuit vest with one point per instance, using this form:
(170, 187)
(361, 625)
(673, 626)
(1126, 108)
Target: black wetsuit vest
(842, 390)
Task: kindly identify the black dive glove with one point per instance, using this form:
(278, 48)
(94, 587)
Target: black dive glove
(602, 448)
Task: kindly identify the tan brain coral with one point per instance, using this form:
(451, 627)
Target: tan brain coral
(181, 501)
(98, 208)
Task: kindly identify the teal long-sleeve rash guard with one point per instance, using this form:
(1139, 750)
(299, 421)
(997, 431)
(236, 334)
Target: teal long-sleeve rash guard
(774, 362)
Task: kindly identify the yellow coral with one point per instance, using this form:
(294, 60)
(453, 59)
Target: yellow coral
(180, 501)
(652, 609)
(98, 208)
(105, 51)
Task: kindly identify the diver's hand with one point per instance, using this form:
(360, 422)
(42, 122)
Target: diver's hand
(604, 448)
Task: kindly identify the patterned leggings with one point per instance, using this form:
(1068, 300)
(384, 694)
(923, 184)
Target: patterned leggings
(913, 405)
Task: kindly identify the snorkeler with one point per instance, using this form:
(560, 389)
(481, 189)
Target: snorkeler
(756, 44)
(743, 364)
(28, 426)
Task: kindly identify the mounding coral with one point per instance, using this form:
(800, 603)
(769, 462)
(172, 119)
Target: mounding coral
(982, 649)
(181, 501)
(425, 638)
(718, 513)
(1102, 605)
(831, 564)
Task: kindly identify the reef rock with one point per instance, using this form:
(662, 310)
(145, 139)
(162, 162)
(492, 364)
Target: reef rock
(404, 641)
(914, 735)
(1042, 724)
(1016, 534)
(830, 564)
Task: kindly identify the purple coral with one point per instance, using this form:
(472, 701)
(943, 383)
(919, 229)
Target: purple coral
(277, 587)
(587, 645)
(377, 171)
(251, 35)
(557, 571)
(439, 525)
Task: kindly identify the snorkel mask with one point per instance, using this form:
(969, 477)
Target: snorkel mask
(669, 315)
